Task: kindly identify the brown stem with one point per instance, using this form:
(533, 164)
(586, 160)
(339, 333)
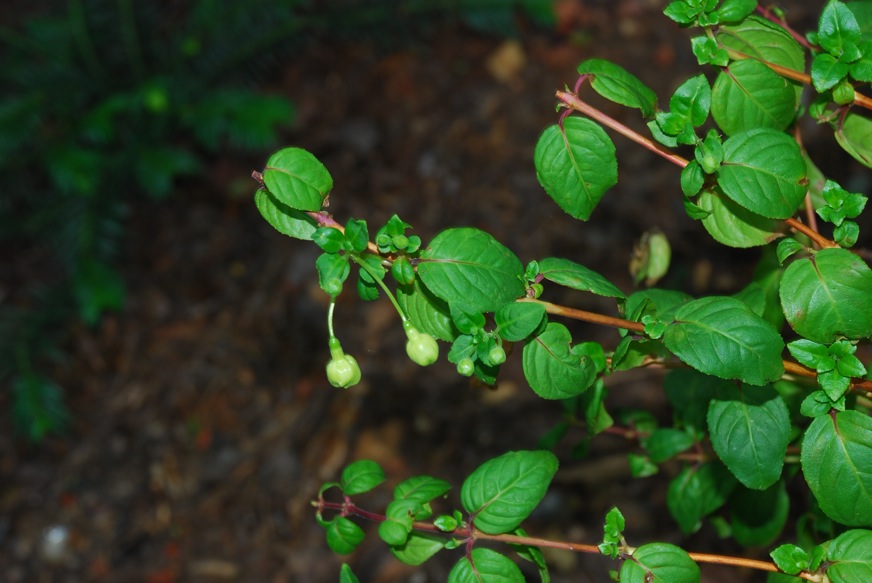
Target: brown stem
(584, 316)
(572, 101)
(819, 239)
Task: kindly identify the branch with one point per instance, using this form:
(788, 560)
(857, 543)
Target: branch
(584, 316)
(572, 101)
(821, 241)
(470, 534)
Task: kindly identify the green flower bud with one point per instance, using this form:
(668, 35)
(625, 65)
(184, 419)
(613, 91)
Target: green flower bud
(401, 242)
(843, 93)
(497, 355)
(420, 347)
(466, 367)
(343, 372)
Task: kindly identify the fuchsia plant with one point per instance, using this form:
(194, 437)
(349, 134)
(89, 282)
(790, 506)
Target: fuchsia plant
(757, 377)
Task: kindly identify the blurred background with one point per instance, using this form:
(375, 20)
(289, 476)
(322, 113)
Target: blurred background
(165, 413)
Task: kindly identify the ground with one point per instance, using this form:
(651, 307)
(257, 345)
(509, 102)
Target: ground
(202, 420)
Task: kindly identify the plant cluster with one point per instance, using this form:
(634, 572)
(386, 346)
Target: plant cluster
(767, 389)
(104, 101)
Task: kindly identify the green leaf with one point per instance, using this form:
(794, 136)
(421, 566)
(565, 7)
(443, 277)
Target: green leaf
(469, 267)
(850, 557)
(518, 320)
(616, 84)
(297, 179)
(485, 566)
(826, 72)
(399, 516)
(552, 368)
(283, 218)
(343, 536)
(790, 558)
(659, 563)
(722, 337)
(750, 429)
(662, 303)
(696, 492)
(419, 547)
(570, 274)
(428, 313)
(735, 226)
(788, 247)
(692, 101)
(346, 575)
(811, 354)
(422, 489)
(764, 172)
(361, 476)
(837, 28)
(38, 405)
(329, 239)
(692, 179)
(735, 10)
(837, 465)
(576, 165)
(503, 491)
(690, 392)
(666, 443)
(765, 41)
(757, 518)
(855, 136)
(532, 554)
(333, 270)
(356, 234)
(748, 95)
(827, 295)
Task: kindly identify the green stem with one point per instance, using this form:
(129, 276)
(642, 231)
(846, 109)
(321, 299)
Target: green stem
(83, 39)
(330, 318)
(381, 283)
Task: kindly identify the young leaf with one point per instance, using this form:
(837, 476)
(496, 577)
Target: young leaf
(503, 491)
(485, 565)
(356, 234)
(735, 10)
(343, 536)
(697, 492)
(764, 172)
(297, 179)
(748, 94)
(722, 337)
(659, 563)
(827, 295)
(750, 430)
(428, 313)
(283, 218)
(570, 274)
(552, 368)
(616, 84)
(470, 267)
(361, 476)
(576, 165)
(836, 457)
(518, 320)
(837, 28)
(850, 557)
(811, 354)
(333, 270)
(419, 547)
(692, 101)
(735, 226)
(757, 518)
(790, 558)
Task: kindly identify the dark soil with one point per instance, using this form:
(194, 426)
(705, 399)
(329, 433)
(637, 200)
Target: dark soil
(202, 420)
